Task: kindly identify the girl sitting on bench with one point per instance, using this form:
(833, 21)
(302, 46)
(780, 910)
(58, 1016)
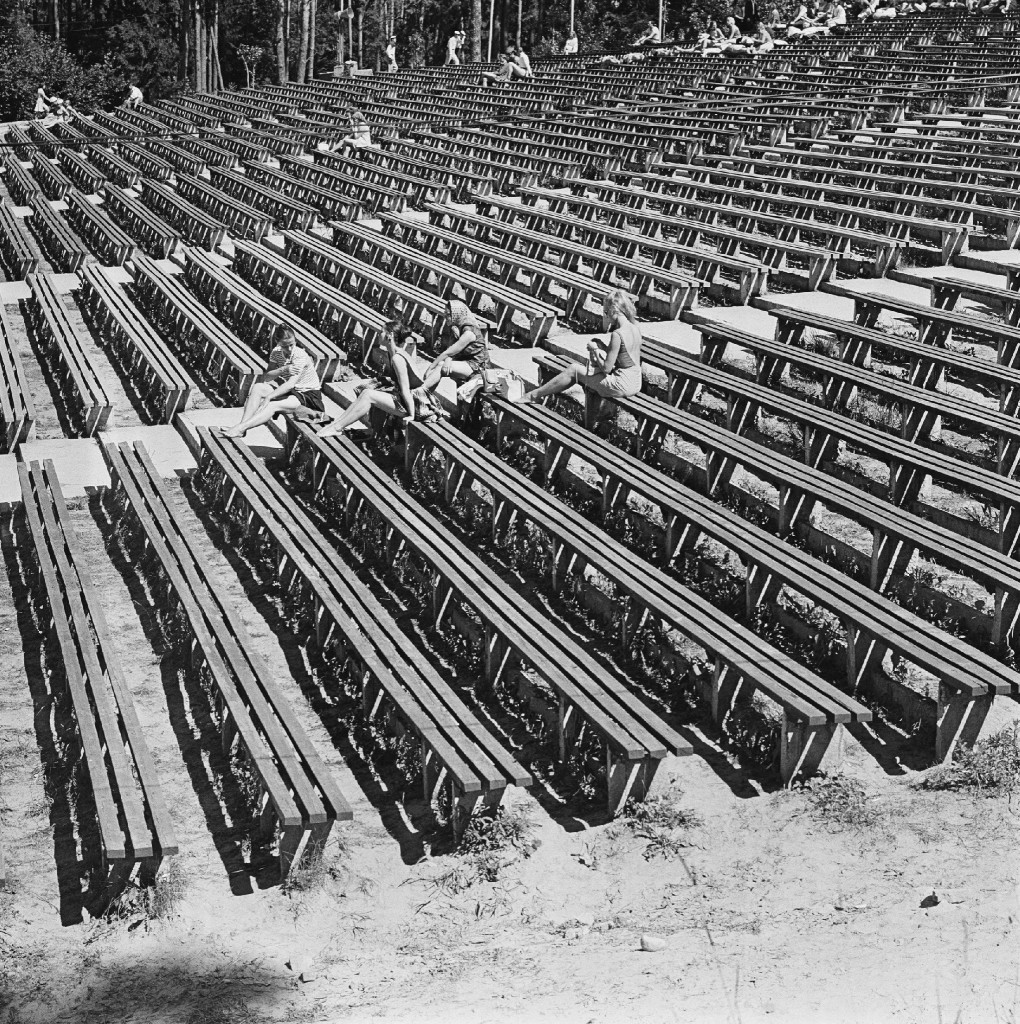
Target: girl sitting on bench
(409, 395)
(468, 354)
(613, 372)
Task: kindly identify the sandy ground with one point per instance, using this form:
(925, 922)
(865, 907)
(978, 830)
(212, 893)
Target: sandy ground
(767, 911)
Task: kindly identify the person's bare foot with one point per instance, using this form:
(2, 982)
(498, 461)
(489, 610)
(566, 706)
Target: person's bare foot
(525, 399)
(233, 432)
(330, 431)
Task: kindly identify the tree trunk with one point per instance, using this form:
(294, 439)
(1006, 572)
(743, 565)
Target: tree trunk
(200, 66)
(302, 62)
(311, 40)
(56, 20)
(281, 44)
(476, 29)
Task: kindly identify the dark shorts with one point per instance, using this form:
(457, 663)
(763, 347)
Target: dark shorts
(311, 400)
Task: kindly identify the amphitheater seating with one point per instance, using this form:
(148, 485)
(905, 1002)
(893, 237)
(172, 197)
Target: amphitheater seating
(152, 166)
(451, 743)
(210, 346)
(53, 182)
(82, 173)
(373, 248)
(21, 186)
(287, 213)
(66, 352)
(254, 315)
(590, 699)
(113, 246)
(17, 411)
(417, 190)
(15, 248)
(163, 385)
(66, 251)
(770, 564)
(296, 793)
(194, 224)
(329, 204)
(542, 276)
(135, 829)
(368, 195)
(244, 220)
(155, 236)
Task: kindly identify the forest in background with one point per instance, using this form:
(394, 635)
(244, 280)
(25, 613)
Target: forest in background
(91, 50)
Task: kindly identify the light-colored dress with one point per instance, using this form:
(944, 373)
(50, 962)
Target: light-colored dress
(624, 380)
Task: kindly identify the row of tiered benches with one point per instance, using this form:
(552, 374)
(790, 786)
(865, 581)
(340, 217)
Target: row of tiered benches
(716, 176)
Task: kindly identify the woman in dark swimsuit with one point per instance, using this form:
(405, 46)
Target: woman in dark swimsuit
(410, 396)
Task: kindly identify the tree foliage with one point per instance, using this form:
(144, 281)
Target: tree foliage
(91, 49)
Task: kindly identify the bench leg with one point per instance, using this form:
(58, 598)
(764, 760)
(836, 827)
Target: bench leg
(290, 844)
(802, 749)
(468, 804)
(960, 717)
(628, 779)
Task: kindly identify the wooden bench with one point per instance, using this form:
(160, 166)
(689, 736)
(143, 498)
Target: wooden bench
(735, 277)
(156, 237)
(255, 316)
(163, 385)
(946, 291)
(113, 246)
(509, 265)
(152, 166)
(369, 196)
(373, 248)
(969, 679)
(417, 190)
(288, 214)
(607, 268)
(330, 204)
(453, 746)
(65, 348)
(506, 176)
(244, 220)
(295, 794)
(53, 182)
(935, 324)
(17, 411)
(194, 224)
(332, 310)
(589, 698)
(81, 171)
(115, 168)
(462, 183)
(181, 161)
(15, 247)
(43, 139)
(919, 404)
(64, 249)
(741, 662)
(910, 464)
(135, 828)
(21, 186)
(927, 364)
(212, 348)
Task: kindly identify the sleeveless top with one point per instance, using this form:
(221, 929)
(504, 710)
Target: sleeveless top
(624, 360)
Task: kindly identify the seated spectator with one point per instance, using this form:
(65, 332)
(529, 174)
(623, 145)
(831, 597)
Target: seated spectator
(506, 71)
(61, 112)
(468, 353)
(613, 370)
(135, 96)
(408, 394)
(836, 17)
(885, 9)
(42, 103)
(712, 38)
(360, 133)
(649, 36)
(289, 384)
(570, 46)
(762, 41)
(521, 59)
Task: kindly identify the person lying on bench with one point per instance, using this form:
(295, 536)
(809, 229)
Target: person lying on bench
(288, 385)
(613, 372)
(409, 395)
(468, 354)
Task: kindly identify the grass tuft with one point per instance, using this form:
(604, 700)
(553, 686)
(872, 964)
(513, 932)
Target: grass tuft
(842, 803)
(992, 764)
(663, 822)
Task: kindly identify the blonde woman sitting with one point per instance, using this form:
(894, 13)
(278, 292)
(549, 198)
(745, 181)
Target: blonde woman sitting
(614, 372)
(409, 395)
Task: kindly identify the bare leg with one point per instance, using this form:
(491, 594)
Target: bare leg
(359, 410)
(258, 395)
(560, 382)
(264, 415)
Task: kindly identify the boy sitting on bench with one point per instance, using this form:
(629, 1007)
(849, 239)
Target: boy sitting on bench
(289, 385)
